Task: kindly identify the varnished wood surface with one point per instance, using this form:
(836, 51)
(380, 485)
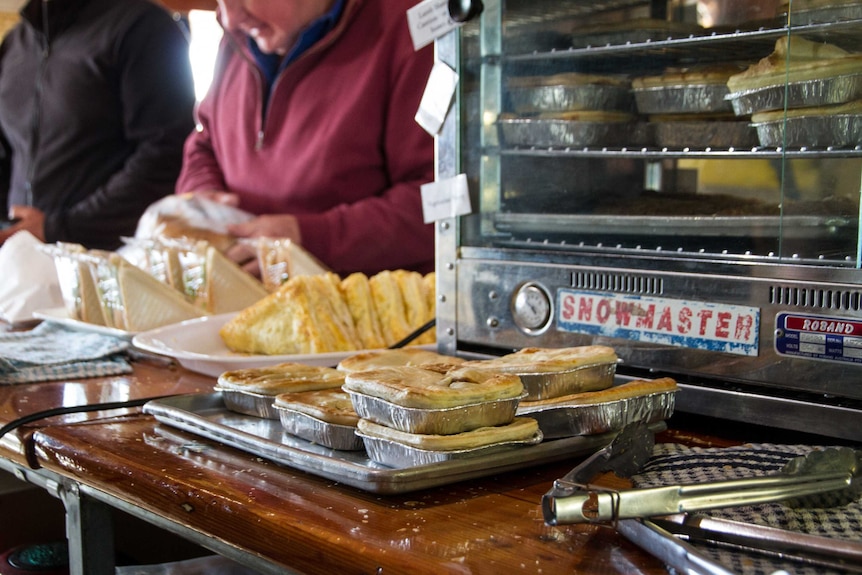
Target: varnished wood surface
(150, 378)
(295, 519)
(313, 525)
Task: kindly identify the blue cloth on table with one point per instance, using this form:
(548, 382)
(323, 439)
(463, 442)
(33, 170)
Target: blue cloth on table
(52, 351)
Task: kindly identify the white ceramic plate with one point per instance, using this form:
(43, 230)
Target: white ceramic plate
(197, 346)
(61, 315)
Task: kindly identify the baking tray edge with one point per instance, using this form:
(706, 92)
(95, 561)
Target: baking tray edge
(199, 414)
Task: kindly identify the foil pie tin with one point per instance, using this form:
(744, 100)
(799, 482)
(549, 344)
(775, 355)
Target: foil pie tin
(444, 421)
(552, 133)
(332, 435)
(825, 14)
(565, 98)
(394, 454)
(690, 99)
(841, 130)
(824, 92)
(567, 420)
(547, 385)
(705, 134)
(249, 403)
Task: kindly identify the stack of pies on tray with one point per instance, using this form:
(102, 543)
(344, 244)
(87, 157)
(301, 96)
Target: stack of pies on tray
(687, 107)
(408, 407)
(325, 417)
(570, 109)
(252, 391)
(307, 400)
(819, 86)
(413, 415)
(571, 390)
(553, 372)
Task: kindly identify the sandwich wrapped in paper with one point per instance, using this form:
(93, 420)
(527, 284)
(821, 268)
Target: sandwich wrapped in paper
(133, 300)
(201, 272)
(191, 217)
(80, 297)
(281, 259)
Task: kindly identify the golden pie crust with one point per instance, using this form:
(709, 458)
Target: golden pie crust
(329, 405)
(435, 386)
(628, 390)
(410, 356)
(281, 378)
(796, 60)
(547, 360)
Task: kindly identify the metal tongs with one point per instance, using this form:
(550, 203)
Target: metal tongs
(821, 472)
(637, 513)
(594, 506)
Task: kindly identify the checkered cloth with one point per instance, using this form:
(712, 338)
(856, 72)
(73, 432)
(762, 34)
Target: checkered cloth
(52, 351)
(676, 464)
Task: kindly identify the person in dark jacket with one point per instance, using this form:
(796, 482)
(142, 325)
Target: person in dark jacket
(96, 100)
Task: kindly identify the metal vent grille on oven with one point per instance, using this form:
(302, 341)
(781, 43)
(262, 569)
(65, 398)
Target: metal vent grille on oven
(816, 298)
(625, 283)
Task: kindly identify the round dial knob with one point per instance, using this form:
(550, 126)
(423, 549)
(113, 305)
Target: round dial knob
(531, 308)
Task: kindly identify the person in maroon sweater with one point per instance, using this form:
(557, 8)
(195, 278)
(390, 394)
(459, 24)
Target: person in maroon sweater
(309, 124)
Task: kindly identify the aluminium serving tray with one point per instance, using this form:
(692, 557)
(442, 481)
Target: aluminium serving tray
(206, 415)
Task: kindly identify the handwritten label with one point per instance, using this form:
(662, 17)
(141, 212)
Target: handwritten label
(429, 20)
(446, 199)
(437, 99)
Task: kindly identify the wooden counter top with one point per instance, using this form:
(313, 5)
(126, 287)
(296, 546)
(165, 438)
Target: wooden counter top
(150, 378)
(286, 518)
(315, 525)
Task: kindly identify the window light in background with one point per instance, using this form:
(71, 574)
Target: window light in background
(205, 36)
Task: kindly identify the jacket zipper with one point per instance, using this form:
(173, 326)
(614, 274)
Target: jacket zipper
(37, 109)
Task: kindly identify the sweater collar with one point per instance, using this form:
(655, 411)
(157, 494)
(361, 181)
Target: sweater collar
(347, 11)
(51, 16)
(272, 64)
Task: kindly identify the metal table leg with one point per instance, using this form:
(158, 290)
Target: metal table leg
(90, 531)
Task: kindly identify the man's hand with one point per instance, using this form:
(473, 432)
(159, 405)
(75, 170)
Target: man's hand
(27, 218)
